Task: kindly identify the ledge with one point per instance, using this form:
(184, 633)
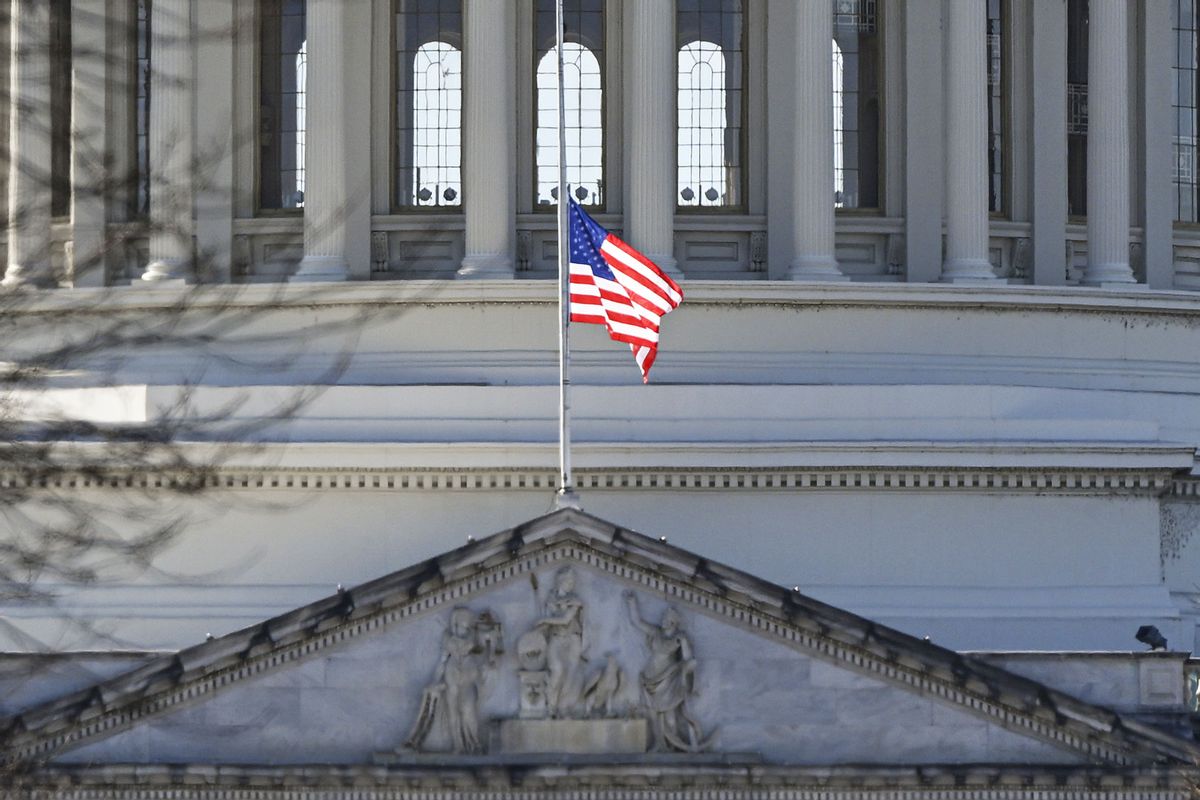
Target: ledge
(728, 782)
(736, 294)
(1147, 471)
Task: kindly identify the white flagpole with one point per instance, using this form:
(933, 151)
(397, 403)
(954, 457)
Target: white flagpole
(566, 497)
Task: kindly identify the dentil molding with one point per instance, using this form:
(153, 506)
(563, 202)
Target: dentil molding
(1037, 481)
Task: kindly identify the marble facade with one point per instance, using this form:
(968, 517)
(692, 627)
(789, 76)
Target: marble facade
(698, 667)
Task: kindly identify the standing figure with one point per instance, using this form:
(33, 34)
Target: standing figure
(453, 696)
(667, 680)
(562, 625)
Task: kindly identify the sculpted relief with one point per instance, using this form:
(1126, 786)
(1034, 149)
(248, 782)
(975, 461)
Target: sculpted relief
(560, 633)
(668, 679)
(570, 694)
(470, 647)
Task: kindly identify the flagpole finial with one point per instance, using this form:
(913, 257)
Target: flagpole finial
(567, 498)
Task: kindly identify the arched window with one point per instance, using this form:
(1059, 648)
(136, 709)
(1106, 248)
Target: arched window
(437, 125)
(60, 109)
(301, 72)
(282, 66)
(429, 103)
(997, 89)
(710, 84)
(704, 178)
(1185, 89)
(839, 72)
(1077, 105)
(140, 196)
(857, 91)
(583, 87)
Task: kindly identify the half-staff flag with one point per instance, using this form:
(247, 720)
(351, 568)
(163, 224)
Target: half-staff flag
(616, 286)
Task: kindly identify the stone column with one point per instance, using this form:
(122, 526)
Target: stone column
(1156, 116)
(923, 110)
(1049, 134)
(215, 73)
(89, 197)
(29, 143)
(812, 222)
(325, 197)
(1108, 144)
(488, 143)
(966, 144)
(650, 147)
(172, 252)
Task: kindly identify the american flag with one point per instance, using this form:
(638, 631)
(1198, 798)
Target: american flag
(616, 286)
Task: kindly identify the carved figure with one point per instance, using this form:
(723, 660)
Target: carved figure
(600, 693)
(453, 696)
(562, 627)
(667, 681)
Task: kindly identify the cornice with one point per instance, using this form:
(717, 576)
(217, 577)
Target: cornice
(1186, 488)
(1030, 480)
(543, 292)
(662, 781)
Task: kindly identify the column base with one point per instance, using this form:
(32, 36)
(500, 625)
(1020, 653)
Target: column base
(816, 268)
(969, 271)
(166, 282)
(319, 269)
(1109, 276)
(22, 277)
(485, 266)
(1119, 285)
(168, 271)
(668, 265)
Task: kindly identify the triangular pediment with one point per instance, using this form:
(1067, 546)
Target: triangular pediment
(571, 638)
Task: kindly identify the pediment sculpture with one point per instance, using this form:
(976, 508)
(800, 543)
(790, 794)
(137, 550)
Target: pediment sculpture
(495, 655)
(470, 648)
(569, 698)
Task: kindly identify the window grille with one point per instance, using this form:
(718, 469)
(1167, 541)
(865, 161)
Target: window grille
(429, 61)
(1184, 105)
(996, 90)
(711, 89)
(839, 127)
(855, 15)
(1077, 106)
(1183, 167)
(1077, 109)
(283, 69)
(994, 41)
(583, 82)
(856, 58)
(60, 110)
(141, 110)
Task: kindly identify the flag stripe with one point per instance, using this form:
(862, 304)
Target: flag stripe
(647, 272)
(613, 285)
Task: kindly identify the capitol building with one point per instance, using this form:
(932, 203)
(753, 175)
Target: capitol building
(909, 508)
